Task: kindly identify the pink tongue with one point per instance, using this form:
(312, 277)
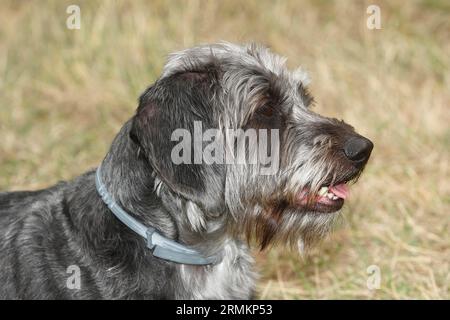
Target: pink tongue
(341, 190)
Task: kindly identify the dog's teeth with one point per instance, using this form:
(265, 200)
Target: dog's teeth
(335, 197)
(330, 196)
(323, 191)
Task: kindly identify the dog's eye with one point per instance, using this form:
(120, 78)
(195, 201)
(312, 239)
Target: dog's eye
(266, 110)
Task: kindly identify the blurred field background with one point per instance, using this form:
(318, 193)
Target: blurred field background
(64, 94)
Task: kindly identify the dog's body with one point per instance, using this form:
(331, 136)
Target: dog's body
(43, 233)
(211, 207)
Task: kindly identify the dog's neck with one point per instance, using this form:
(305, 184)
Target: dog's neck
(133, 184)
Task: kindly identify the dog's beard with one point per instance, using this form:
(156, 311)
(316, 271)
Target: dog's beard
(282, 210)
(286, 226)
(303, 231)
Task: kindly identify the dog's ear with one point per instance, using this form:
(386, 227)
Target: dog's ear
(176, 102)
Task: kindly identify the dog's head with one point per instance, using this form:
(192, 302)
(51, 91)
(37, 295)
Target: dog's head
(230, 130)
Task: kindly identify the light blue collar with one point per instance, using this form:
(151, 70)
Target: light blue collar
(161, 246)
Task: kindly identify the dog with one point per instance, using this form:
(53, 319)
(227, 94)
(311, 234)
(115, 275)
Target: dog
(141, 226)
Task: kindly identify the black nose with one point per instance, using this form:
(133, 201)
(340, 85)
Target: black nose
(358, 148)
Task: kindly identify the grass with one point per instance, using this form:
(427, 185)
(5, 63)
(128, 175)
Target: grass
(65, 93)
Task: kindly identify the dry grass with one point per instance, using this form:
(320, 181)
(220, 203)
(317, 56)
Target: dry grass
(64, 94)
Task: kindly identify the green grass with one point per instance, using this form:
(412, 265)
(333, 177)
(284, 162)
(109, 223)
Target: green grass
(64, 94)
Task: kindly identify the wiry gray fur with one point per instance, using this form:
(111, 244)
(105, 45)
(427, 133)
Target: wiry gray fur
(214, 208)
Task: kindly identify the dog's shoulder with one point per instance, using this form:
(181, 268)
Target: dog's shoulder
(17, 203)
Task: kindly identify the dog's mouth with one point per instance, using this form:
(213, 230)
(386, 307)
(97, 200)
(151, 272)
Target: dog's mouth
(328, 199)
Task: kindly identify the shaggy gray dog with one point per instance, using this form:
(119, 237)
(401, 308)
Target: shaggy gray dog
(217, 209)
